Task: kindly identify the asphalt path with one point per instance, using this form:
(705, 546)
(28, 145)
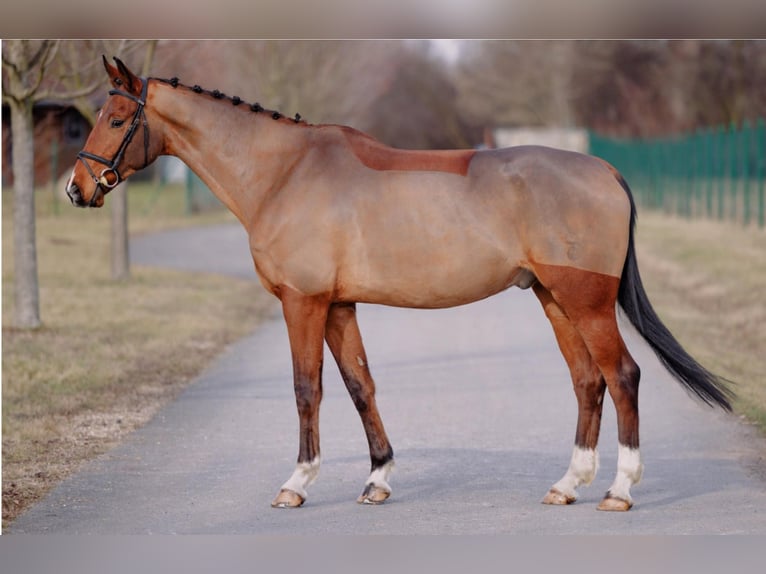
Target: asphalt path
(476, 401)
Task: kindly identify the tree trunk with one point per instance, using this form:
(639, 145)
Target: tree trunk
(26, 288)
(120, 243)
(119, 201)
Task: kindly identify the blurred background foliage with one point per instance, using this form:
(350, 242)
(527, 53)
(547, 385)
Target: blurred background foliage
(418, 94)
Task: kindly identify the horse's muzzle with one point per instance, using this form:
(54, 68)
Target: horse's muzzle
(75, 196)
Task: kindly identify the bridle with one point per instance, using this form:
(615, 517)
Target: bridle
(102, 181)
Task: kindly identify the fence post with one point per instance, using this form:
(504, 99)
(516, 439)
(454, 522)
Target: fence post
(746, 141)
(655, 174)
(760, 150)
(699, 173)
(709, 136)
(676, 168)
(691, 205)
(733, 162)
(721, 168)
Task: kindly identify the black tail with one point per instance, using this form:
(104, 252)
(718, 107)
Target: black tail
(710, 388)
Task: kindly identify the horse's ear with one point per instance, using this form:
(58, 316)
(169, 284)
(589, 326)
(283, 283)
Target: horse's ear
(112, 72)
(121, 77)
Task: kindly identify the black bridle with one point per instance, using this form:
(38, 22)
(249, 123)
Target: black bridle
(102, 181)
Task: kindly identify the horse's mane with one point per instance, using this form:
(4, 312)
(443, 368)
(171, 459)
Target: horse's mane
(235, 100)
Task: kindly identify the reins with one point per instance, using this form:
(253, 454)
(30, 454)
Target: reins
(102, 181)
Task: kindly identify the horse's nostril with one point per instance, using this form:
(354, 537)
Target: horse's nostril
(74, 194)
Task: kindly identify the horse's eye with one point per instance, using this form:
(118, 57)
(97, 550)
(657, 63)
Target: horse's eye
(117, 123)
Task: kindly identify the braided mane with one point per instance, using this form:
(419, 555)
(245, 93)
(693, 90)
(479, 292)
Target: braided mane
(235, 100)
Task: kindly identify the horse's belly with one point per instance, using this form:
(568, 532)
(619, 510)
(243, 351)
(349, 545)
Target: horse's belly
(434, 283)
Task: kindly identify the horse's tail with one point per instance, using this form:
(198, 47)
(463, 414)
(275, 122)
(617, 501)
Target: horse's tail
(707, 386)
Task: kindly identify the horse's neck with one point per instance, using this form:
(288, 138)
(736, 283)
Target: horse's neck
(239, 155)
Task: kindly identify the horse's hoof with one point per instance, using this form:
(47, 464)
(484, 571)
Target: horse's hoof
(557, 497)
(373, 495)
(287, 499)
(613, 503)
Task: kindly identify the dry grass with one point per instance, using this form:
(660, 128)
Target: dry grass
(707, 280)
(109, 355)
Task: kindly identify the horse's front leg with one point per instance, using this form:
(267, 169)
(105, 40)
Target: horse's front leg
(305, 318)
(345, 342)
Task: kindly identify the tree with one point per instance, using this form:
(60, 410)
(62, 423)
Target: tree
(24, 65)
(418, 110)
(655, 88)
(730, 81)
(120, 235)
(35, 70)
(325, 81)
(516, 82)
(628, 88)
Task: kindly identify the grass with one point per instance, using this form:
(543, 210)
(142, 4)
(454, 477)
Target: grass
(707, 281)
(109, 354)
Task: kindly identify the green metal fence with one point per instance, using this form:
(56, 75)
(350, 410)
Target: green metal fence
(715, 173)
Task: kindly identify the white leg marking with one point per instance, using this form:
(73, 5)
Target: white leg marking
(629, 471)
(379, 476)
(582, 470)
(304, 474)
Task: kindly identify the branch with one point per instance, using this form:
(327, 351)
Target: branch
(71, 94)
(44, 56)
(41, 54)
(8, 63)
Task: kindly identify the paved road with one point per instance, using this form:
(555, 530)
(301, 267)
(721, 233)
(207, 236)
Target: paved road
(476, 401)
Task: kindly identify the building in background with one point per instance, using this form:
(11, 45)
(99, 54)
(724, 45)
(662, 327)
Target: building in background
(60, 132)
(571, 139)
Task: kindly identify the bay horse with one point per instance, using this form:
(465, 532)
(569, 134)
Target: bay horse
(335, 218)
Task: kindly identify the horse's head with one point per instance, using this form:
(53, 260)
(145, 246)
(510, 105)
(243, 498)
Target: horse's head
(119, 144)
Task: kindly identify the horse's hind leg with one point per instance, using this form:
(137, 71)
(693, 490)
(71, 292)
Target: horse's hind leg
(622, 375)
(589, 388)
(345, 342)
(305, 318)
(589, 300)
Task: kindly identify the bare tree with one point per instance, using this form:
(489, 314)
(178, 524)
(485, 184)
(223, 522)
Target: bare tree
(418, 109)
(516, 82)
(24, 65)
(654, 88)
(366, 84)
(627, 88)
(35, 70)
(325, 81)
(730, 84)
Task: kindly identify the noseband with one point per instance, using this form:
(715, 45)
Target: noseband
(102, 180)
